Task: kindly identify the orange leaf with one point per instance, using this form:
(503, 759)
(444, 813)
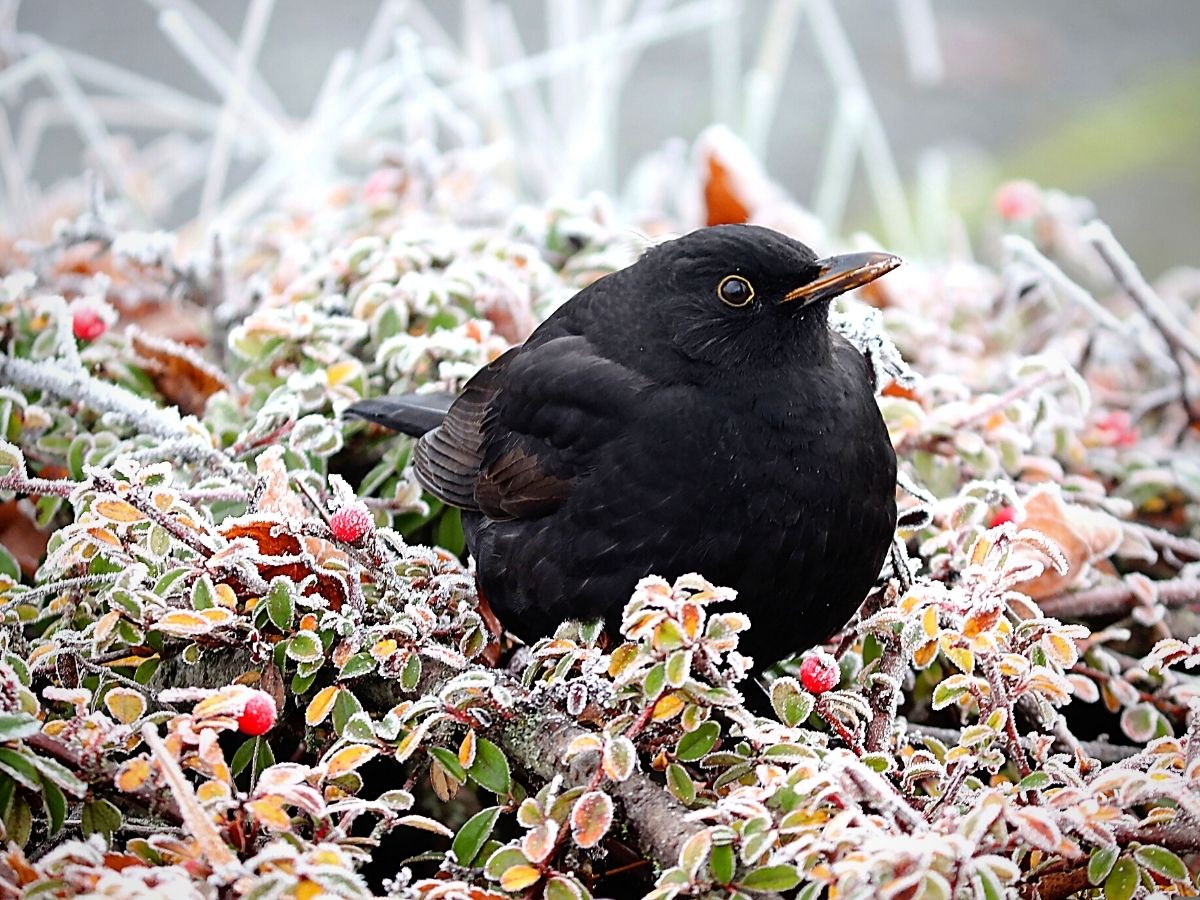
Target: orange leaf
(269, 811)
(517, 878)
(722, 206)
(132, 774)
(667, 707)
(466, 750)
(348, 759)
(118, 511)
(321, 704)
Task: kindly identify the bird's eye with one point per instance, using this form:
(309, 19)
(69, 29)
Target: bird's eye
(734, 290)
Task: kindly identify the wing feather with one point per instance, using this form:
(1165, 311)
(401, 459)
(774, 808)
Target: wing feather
(526, 428)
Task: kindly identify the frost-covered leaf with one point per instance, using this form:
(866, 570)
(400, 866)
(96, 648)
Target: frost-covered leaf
(591, 817)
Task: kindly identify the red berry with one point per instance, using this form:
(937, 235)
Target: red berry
(819, 672)
(258, 715)
(1003, 514)
(87, 324)
(1117, 429)
(351, 522)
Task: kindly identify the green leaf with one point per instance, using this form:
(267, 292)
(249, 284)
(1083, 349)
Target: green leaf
(680, 784)
(947, 692)
(55, 771)
(655, 681)
(356, 665)
(242, 757)
(345, 706)
(449, 762)
(771, 878)
(167, 580)
(264, 758)
(411, 673)
(8, 564)
(19, 766)
(490, 769)
(281, 607)
(1033, 781)
(503, 860)
(473, 835)
(14, 727)
(1101, 863)
(55, 802)
(564, 887)
(202, 593)
(145, 670)
(721, 863)
(305, 646)
(1162, 862)
(18, 821)
(1122, 881)
(100, 817)
(301, 683)
(693, 745)
(792, 704)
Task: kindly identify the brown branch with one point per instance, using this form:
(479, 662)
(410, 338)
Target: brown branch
(1101, 750)
(885, 694)
(535, 740)
(1061, 883)
(1119, 598)
(38, 487)
(102, 776)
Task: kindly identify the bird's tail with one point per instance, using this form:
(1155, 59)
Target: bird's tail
(412, 414)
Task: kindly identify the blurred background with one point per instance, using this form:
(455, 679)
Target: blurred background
(869, 112)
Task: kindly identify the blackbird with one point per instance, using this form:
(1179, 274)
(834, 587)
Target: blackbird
(690, 413)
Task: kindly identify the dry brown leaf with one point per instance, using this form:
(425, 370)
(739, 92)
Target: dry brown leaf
(178, 371)
(1085, 537)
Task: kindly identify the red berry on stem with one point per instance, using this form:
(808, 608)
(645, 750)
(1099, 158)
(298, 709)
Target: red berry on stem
(819, 672)
(87, 324)
(1003, 514)
(258, 715)
(351, 522)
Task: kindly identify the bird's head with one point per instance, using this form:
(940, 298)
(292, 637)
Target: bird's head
(737, 295)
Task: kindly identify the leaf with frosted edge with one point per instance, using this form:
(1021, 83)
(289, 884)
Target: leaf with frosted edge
(591, 817)
(348, 759)
(771, 878)
(695, 744)
(1140, 722)
(619, 758)
(502, 860)
(1122, 881)
(563, 887)
(792, 704)
(125, 705)
(680, 784)
(14, 727)
(519, 877)
(1161, 861)
(305, 647)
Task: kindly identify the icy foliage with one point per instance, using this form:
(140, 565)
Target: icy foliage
(196, 525)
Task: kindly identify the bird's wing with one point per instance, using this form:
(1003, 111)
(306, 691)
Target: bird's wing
(527, 427)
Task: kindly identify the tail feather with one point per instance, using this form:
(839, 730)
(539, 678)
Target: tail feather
(412, 414)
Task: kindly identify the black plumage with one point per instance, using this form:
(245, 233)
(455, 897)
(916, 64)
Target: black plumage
(692, 412)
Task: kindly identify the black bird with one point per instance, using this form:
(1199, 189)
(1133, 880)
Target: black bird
(690, 413)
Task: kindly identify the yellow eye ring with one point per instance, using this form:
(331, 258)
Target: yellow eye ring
(735, 291)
